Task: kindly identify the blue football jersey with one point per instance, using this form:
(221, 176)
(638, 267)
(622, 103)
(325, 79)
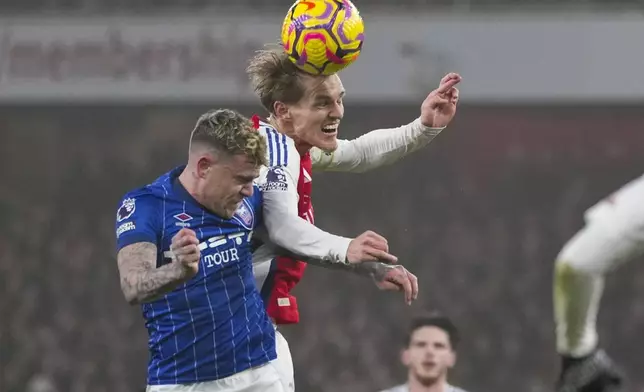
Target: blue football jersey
(214, 325)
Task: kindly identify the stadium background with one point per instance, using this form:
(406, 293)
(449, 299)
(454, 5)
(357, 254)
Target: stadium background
(550, 122)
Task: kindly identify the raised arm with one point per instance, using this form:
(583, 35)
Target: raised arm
(385, 146)
(375, 149)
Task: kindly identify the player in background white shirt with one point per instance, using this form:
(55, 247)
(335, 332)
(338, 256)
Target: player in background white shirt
(429, 353)
(301, 131)
(613, 234)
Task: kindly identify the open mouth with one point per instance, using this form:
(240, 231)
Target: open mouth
(428, 365)
(330, 129)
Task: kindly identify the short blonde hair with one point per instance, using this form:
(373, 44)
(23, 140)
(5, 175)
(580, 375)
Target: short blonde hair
(275, 78)
(231, 133)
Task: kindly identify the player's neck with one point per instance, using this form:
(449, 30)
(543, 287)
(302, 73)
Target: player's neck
(189, 183)
(416, 386)
(301, 147)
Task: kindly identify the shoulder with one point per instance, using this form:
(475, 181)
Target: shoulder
(138, 217)
(280, 149)
(147, 198)
(397, 388)
(452, 388)
(282, 156)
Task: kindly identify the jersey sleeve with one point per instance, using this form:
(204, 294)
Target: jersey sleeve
(377, 148)
(285, 228)
(138, 219)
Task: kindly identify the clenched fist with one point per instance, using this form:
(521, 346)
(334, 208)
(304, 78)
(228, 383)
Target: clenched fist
(186, 253)
(369, 246)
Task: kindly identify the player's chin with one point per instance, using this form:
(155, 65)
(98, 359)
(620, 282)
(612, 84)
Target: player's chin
(427, 378)
(230, 210)
(428, 373)
(327, 141)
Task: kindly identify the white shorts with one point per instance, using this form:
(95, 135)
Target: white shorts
(612, 235)
(257, 379)
(284, 362)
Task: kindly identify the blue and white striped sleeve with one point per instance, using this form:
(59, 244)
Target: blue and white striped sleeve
(285, 227)
(277, 148)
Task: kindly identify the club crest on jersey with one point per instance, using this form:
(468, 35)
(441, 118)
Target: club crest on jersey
(183, 219)
(244, 216)
(126, 209)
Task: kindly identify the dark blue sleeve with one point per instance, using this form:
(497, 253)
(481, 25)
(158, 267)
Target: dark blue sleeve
(138, 220)
(258, 203)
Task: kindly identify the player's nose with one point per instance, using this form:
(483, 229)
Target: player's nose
(337, 112)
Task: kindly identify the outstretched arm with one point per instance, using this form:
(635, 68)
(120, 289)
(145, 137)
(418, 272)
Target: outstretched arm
(386, 276)
(286, 229)
(385, 146)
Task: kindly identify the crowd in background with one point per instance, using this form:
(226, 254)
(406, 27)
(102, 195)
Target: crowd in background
(478, 216)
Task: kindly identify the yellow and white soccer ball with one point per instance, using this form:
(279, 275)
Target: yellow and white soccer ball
(323, 37)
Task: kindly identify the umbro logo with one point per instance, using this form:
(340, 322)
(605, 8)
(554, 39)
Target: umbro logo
(182, 218)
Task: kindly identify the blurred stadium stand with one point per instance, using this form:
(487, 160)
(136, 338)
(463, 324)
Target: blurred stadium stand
(250, 6)
(479, 216)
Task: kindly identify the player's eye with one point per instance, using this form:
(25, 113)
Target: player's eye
(323, 102)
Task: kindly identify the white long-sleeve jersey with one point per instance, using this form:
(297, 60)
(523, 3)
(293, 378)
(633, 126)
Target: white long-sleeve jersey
(279, 181)
(629, 199)
(405, 388)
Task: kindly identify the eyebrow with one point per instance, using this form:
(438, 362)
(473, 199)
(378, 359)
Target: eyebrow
(325, 96)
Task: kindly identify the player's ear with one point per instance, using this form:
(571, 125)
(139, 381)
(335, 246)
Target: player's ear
(404, 357)
(451, 361)
(281, 111)
(204, 164)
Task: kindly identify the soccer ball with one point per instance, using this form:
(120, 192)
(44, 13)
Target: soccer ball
(322, 37)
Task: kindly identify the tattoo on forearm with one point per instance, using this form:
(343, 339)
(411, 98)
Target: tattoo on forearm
(375, 269)
(141, 281)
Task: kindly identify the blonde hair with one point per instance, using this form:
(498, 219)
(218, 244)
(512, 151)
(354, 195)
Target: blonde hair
(229, 132)
(275, 78)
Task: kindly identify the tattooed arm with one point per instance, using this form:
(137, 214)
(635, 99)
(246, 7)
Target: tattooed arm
(386, 276)
(138, 237)
(141, 281)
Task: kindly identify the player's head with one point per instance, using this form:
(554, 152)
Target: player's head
(226, 153)
(307, 108)
(430, 348)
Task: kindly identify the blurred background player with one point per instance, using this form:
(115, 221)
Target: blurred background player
(185, 253)
(613, 234)
(429, 353)
(99, 96)
(301, 131)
